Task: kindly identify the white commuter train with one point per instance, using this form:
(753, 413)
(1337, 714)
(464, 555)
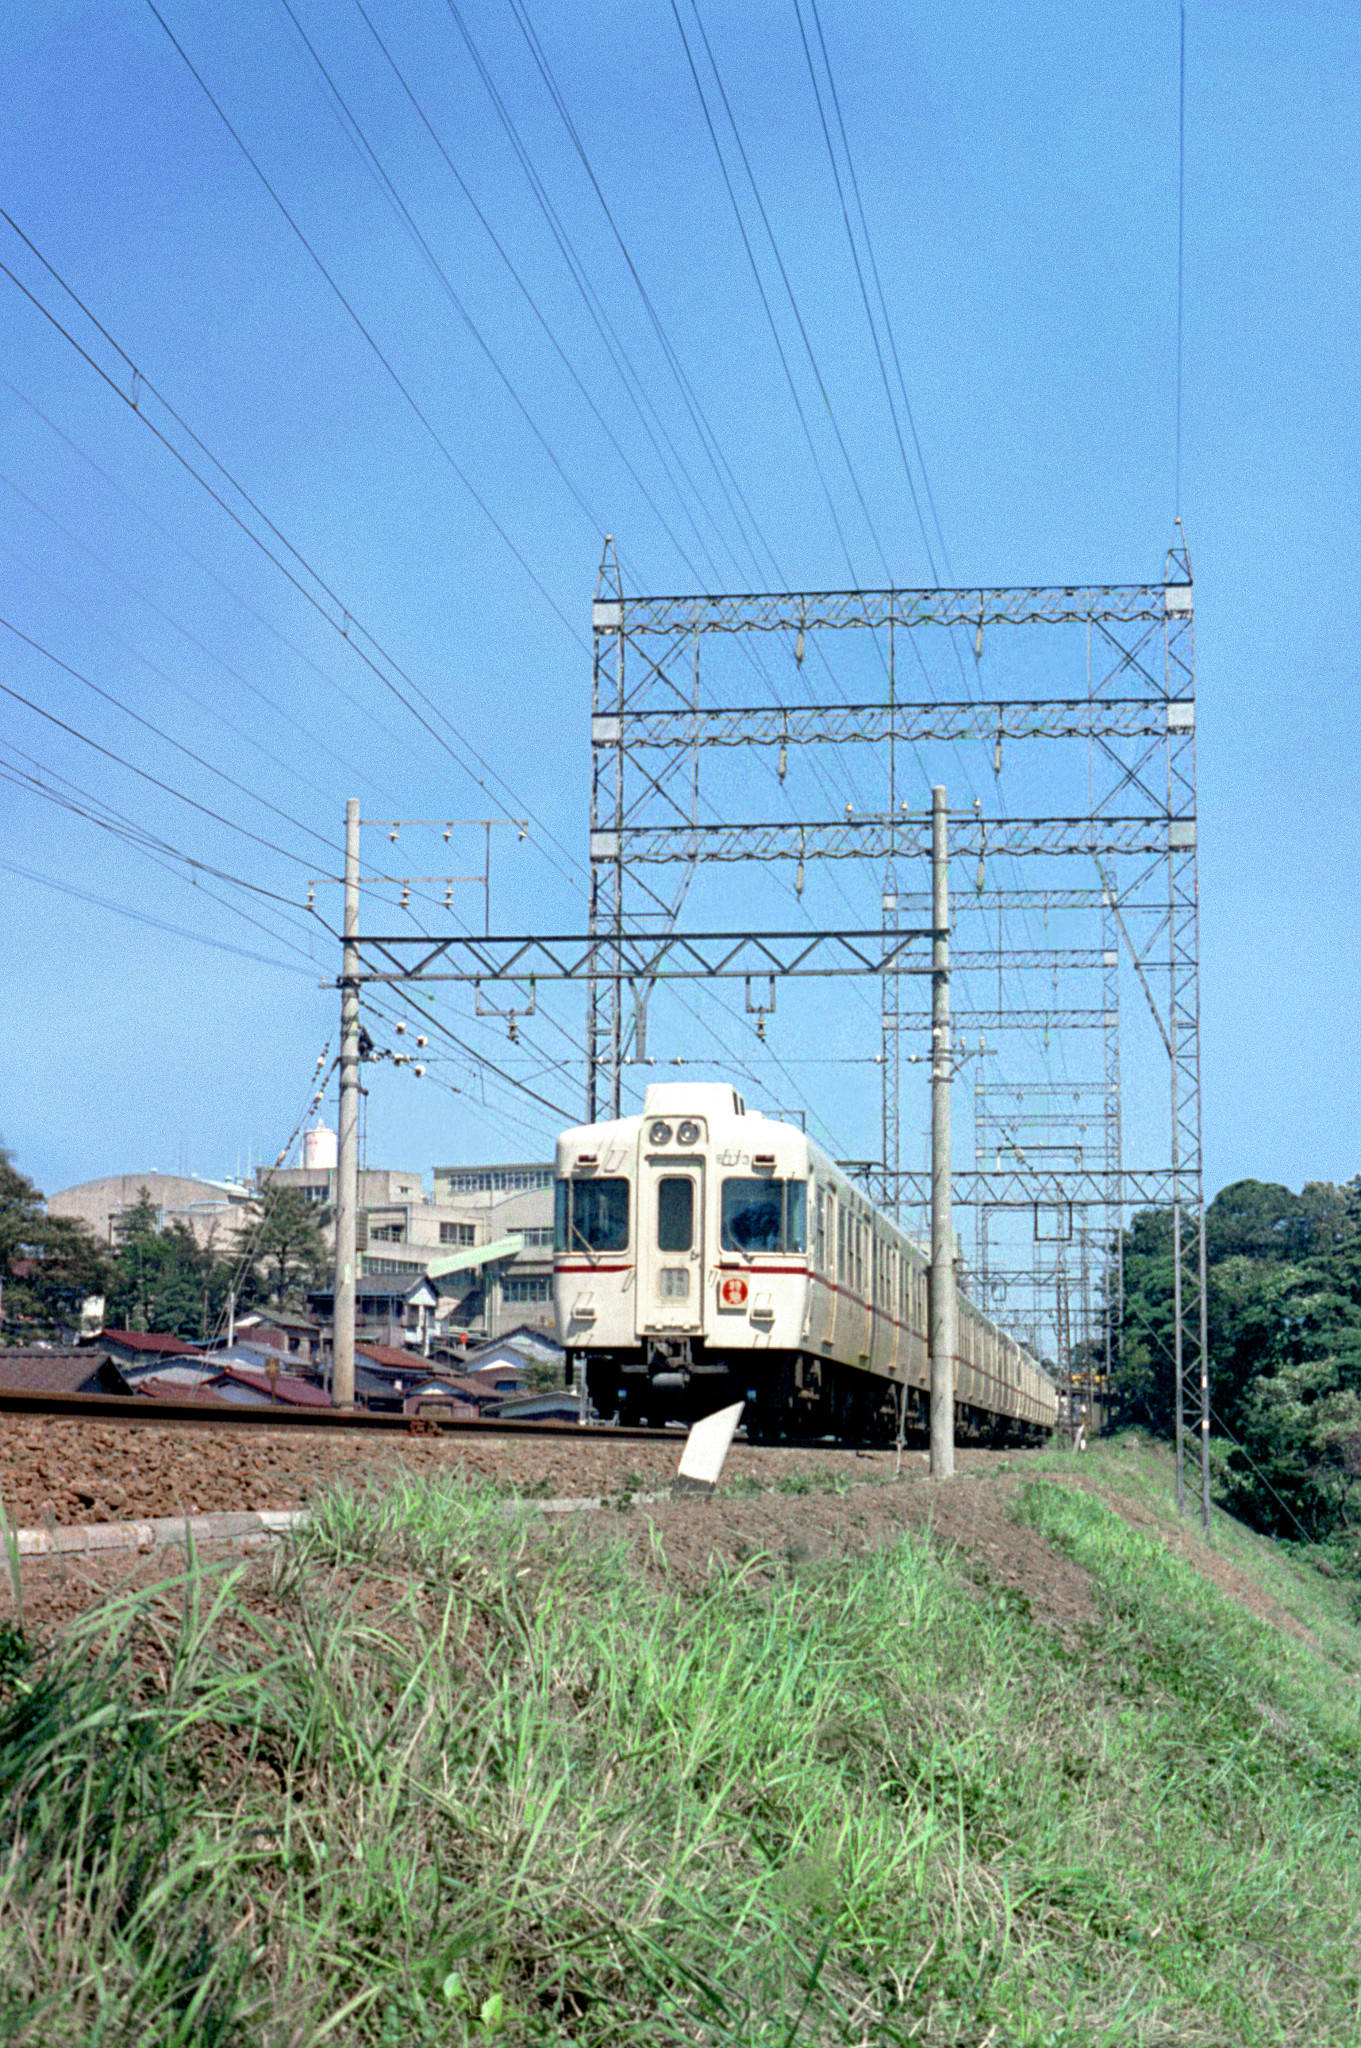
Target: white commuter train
(707, 1254)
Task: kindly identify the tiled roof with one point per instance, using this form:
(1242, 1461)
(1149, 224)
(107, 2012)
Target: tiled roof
(393, 1356)
(60, 1372)
(142, 1340)
(290, 1393)
(156, 1388)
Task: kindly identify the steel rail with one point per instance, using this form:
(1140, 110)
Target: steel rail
(135, 1412)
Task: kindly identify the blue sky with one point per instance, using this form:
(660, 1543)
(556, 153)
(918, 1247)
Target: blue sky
(1019, 175)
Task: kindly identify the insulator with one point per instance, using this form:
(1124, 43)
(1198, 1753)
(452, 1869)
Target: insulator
(422, 1040)
(393, 833)
(512, 1033)
(782, 765)
(524, 831)
(406, 895)
(1046, 1036)
(311, 896)
(850, 812)
(798, 879)
(997, 756)
(761, 1028)
(400, 1026)
(419, 1073)
(798, 648)
(980, 877)
(448, 834)
(978, 641)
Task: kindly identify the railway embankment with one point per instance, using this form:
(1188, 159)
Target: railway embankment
(836, 1755)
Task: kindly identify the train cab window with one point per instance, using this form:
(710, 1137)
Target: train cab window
(675, 1213)
(591, 1215)
(764, 1216)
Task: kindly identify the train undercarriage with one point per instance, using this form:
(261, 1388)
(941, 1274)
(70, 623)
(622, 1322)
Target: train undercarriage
(789, 1397)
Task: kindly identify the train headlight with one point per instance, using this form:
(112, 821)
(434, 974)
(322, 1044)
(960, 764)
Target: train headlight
(660, 1134)
(688, 1133)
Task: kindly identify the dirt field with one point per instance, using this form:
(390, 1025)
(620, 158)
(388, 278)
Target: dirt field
(69, 1473)
(74, 1472)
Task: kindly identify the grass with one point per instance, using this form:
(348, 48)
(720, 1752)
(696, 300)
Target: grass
(1301, 1578)
(444, 1775)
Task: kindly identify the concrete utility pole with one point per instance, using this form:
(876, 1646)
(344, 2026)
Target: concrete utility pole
(347, 1157)
(944, 1309)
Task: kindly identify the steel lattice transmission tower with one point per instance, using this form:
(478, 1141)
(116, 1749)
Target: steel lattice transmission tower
(657, 726)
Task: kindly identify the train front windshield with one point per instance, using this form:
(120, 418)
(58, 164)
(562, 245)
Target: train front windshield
(591, 1215)
(765, 1216)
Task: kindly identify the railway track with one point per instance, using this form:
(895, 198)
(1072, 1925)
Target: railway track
(137, 1413)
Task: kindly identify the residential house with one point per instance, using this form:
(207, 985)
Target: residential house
(144, 1347)
(61, 1372)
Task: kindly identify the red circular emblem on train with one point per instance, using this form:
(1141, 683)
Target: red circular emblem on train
(733, 1293)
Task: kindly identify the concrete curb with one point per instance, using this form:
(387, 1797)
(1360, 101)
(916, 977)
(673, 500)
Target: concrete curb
(248, 1527)
(137, 1537)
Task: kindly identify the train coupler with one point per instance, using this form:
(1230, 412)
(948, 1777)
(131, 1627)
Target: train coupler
(669, 1361)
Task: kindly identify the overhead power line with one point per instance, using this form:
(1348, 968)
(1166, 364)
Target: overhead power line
(350, 628)
(149, 726)
(534, 307)
(46, 783)
(422, 416)
(159, 924)
(355, 703)
(883, 302)
(779, 261)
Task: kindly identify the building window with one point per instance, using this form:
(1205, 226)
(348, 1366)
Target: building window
(458, 1233)
(388, 1233)
(537, 1237)
(495, 1180)
(535, 1288)
(393, 1266)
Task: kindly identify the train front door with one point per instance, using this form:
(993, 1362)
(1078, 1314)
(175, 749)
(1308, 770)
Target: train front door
(670, 1246)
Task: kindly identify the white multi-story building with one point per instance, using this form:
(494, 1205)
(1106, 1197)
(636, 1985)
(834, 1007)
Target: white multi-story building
(483, 1238)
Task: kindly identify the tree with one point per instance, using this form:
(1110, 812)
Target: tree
(165, 1280)
(287, 1250)
(49, 1265)
(1283, 1310)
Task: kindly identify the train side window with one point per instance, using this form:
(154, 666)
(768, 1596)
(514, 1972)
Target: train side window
(820, 1241)
(675, 1213)
(796, 1215)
